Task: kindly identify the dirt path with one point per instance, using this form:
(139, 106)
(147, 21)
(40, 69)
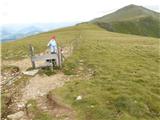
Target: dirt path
(55, 109)
(38, 88)
(41, 85)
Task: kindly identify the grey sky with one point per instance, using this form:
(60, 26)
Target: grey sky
(29, 11)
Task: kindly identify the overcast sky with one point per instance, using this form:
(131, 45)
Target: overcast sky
(43, 11)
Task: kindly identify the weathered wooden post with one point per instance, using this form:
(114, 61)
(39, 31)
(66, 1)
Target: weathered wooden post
(31, 49)
(59, 57)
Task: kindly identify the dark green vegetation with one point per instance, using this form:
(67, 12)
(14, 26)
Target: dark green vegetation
(124, 72)
(131, 19)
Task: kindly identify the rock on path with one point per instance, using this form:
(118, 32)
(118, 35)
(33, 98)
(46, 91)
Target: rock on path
(16, 116)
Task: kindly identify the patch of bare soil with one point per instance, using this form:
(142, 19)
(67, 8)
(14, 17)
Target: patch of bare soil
(41, 85)
(51, 105)
(38, 89)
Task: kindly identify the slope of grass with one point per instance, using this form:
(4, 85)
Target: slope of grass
(125, 79)
(131, 19)
(19, 49)
(146, 26)
(124, 73)
(130, 12)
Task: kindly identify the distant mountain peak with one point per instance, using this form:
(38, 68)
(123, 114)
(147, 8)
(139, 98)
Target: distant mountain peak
(133, 5)
(126, 13)
(132, 19)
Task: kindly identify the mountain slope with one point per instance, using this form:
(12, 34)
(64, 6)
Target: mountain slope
(116, 74)
(131, 19)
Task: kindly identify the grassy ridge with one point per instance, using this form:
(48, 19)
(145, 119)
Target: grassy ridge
(146, 26)
(130, 12)
(125, 79)
(123, 69)
(131, 19)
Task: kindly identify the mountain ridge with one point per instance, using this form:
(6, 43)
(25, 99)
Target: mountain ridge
(134, 9)
(131, 19)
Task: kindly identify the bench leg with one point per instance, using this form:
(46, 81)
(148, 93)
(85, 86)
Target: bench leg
(33, 65)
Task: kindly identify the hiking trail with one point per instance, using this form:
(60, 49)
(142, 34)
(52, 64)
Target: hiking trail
(38, 87)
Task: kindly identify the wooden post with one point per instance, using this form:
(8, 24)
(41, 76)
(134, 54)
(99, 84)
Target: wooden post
(31, 49)
(52, 65)
(59, 57)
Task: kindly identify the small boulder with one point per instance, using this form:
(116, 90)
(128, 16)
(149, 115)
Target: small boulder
(31, 72)
(20, 105)
(79, 97)
(16, 116)
(92, 106)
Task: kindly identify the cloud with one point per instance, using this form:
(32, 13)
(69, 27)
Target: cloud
(29, 11)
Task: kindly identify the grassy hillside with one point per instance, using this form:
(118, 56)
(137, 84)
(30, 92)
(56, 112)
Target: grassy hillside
(131, 19)
(129, 12)
(117, 74)
(19, 49)
(146, 26)
(125, 77)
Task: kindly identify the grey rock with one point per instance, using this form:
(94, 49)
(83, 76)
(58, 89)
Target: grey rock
(16, 116)
(79, 97)
(31, 72)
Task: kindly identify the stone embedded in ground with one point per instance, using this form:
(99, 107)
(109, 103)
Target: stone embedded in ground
(81, 68)
(16, 116)
(20, 105)
(31, 72)
(92, 106)
(81, 61)
(79, 98)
